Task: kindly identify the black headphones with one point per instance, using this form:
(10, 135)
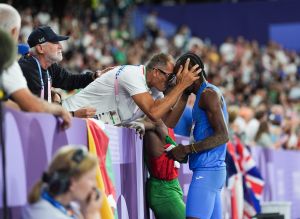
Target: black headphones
(194, 59)
(59, 181)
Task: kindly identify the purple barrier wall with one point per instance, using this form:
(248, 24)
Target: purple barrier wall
(126, 155)
(185, 174)
(32, 138)
(280, 169)
(281, 172)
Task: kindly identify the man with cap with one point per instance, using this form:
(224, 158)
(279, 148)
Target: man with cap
(13, 81)
(42, 72)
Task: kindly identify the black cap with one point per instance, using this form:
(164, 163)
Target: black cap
(44, 34)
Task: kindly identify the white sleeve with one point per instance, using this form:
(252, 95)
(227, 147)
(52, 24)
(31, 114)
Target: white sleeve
(133, 80)
(13, 79)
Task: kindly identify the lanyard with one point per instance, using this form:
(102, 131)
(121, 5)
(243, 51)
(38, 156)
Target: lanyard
(42, 82)
(116, 88)
(56, 204)
(116, 84)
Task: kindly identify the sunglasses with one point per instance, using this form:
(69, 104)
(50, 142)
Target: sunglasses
(170, 76)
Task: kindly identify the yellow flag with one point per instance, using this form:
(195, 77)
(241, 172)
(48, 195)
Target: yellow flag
(106, 211)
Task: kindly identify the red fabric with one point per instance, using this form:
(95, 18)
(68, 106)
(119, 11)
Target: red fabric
(162, 167)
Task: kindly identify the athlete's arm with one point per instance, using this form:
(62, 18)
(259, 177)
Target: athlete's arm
(210, 101)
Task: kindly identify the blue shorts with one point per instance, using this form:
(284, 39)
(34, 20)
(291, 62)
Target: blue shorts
(204, 198)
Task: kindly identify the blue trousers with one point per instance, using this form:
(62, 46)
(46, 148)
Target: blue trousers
(204, 198)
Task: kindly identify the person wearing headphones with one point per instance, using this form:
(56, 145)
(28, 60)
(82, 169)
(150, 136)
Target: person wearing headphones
(207, 150)
(67, 189)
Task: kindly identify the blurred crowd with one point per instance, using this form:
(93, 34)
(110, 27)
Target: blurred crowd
(260, 82)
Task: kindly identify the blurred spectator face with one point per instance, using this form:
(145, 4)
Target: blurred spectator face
(246, 113)
(81, 187)
(52, 51)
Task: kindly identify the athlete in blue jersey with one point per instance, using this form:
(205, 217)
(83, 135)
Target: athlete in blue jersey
(207, 149)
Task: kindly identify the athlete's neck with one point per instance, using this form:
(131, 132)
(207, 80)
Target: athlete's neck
(198, 84)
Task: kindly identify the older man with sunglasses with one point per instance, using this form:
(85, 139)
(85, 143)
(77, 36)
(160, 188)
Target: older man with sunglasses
(127, 92)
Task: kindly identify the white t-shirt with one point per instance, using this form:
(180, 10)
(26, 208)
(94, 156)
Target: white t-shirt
(13, 79)
(101, 94)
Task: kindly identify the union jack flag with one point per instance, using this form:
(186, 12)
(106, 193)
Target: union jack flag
(244, 181)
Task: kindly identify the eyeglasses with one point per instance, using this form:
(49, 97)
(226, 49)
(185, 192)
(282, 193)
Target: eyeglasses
(170, 76)
(163, 72)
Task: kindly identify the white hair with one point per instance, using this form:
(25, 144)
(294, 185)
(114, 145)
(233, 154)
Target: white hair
(9, 17)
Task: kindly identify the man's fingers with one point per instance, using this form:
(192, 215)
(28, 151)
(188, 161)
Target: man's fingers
(170, 155)
(182, 160)
(179, 71)
(186, 65)
(194, 67)
(198, 71)
(65, 125)
(92, 113)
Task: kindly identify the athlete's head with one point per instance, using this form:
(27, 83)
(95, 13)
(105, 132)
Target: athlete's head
(194, 59)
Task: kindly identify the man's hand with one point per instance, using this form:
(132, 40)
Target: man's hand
(86, 112)
(66, 117)
(187, 76)
(98, 73)
(178, 153)
(55, 97)
(138, 126)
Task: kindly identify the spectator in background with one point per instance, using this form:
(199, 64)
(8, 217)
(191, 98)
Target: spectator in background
(42, 72)
(14, 82)
(151, 24)
(69, 183)
(123, 94)
(289, 136)
(207, 150)
(263, 136)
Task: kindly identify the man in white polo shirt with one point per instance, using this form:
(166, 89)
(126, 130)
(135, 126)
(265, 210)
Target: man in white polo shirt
(123, 94)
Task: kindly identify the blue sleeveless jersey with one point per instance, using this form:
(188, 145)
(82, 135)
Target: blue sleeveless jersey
(213, 158)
